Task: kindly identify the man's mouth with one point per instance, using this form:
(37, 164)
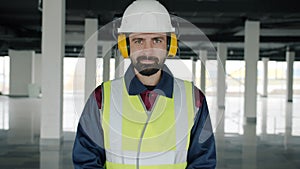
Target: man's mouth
(147, 59)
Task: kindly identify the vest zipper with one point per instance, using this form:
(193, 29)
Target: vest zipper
(149, 113)
(141, 140)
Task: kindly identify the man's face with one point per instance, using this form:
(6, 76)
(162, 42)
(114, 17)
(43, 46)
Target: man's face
(148, 52)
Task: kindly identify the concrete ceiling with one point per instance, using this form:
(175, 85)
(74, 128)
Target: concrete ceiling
(220, 21)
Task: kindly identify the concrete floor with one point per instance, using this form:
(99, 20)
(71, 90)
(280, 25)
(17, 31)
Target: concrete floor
(273, 142)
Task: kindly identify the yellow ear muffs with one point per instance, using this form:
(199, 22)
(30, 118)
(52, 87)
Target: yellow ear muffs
(123, 45)
(172, 45)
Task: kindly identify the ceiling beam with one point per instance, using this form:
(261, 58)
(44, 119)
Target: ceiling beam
(236, 6)
(177, 6)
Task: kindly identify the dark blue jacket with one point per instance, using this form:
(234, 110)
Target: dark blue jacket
(89, 152)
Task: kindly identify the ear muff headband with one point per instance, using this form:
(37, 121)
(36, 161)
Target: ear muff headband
(123, 45)
(172, 45)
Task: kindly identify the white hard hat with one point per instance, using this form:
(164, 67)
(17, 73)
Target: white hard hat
(146, 16)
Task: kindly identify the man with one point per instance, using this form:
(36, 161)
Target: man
(147, 119)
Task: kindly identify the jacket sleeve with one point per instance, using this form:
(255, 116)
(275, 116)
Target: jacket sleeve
(88, 151)
(202, 151)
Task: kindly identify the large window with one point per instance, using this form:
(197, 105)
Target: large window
(4, 88)
(4, 74)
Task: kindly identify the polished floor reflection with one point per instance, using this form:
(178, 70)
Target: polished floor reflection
(273, 142)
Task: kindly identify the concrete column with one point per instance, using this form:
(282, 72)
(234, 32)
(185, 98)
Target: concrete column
(249, 150)
(38, 69)
(221, 87)
(290, 57)
(264, 112)
(50, 158)
(20, 72)
(90, 53)
(288, 125)
(33, 68)
(106, 54)
(265, 77)
(251, 58)
(36, 82)
(220, 138)
(119, 64)
(194, 61)
(53, 45)
(203, 58)
(24, 120)
(34, 88)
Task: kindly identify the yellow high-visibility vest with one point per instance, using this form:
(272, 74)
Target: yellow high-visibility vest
(137, 138)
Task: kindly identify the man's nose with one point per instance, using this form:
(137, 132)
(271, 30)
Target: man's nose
(148, 48)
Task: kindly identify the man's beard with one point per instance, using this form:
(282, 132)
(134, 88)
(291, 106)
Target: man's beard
(148, 69)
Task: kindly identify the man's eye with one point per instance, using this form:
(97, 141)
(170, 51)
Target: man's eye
(138, 41)
(157, 41)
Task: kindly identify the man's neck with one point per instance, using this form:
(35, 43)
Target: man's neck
(149, 80)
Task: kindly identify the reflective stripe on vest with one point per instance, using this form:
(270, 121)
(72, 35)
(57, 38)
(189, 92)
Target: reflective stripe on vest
(151, 139)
